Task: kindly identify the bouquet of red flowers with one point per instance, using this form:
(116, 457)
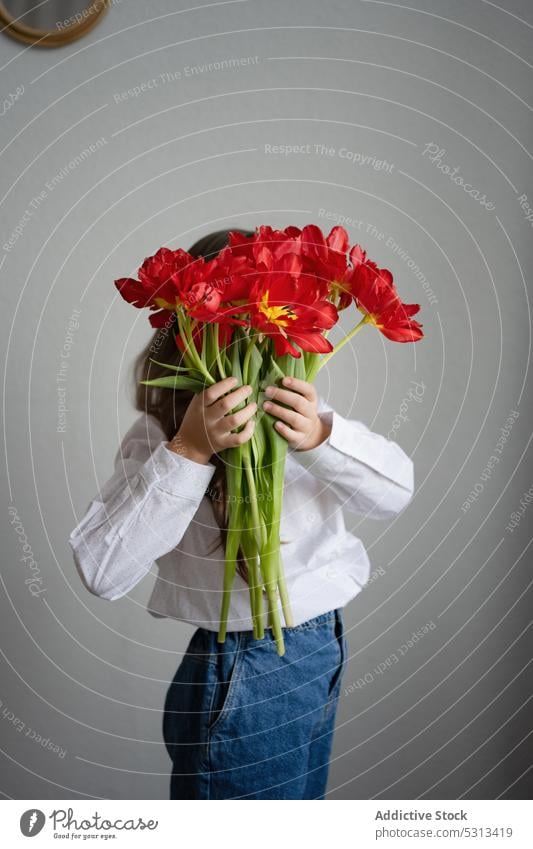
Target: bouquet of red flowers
(259, 310)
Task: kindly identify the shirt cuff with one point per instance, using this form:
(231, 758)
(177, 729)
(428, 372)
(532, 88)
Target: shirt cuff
(177, 474)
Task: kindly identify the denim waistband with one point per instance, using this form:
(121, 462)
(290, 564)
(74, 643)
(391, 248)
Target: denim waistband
(207, 639)
(316, 621)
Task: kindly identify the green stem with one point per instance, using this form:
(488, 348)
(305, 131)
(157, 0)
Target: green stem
(269, 570)
(284, 595)
(230, 567)
(258, 525)
(258, 600)
(254, 584)
(216, 334)
(246, 360)
(186, 334)
(270, 553)
(339, 345)
(233, 537)
(279, 456)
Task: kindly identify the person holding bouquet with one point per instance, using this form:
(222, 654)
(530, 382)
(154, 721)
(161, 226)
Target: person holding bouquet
(250, 712)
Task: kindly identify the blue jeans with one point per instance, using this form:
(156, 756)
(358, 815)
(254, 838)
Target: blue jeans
(240, 722)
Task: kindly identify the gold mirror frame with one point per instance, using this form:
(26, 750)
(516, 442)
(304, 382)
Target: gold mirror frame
(52, 38)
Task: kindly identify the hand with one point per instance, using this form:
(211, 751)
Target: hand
(301, 425)
(208, 421)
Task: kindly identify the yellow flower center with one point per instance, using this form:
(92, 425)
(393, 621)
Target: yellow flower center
(276, 315)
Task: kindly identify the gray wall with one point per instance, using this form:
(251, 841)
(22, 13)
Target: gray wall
(446, 716)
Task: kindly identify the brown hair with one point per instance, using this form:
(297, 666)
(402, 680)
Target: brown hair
(169, 407)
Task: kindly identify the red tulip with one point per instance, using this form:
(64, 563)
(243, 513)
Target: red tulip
(376, 296)
(170, 280)
(327, 257)
(289, 305)
(395, 322)
(158, 286)
(253, 247)
(287, 284)
(284, 287)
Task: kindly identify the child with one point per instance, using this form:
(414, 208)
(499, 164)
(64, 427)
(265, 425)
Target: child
(240, 721)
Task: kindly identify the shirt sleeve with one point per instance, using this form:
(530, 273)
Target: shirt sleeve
(140, 514)
(369, 474)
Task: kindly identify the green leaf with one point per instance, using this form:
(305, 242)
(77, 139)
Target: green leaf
(254, 366)
(299, 368)
(177, 382)
(170, 366)
(274, 367)
(259, 443)
(209, 349)
(236, 369)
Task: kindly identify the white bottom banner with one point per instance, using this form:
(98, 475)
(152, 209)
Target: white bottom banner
(243, 825)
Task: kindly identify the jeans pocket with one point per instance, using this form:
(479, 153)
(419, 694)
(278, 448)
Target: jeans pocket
(188, 696)
(227, 671)
(343, 653)
(183, 703)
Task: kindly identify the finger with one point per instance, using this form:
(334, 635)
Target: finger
(228, 403)
(295, 420)
(286, 396)
(216, 390)
(233, 420)
(231, 440)
(302, 386)
(292, 436)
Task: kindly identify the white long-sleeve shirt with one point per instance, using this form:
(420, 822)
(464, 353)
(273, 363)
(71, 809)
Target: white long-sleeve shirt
(154, 510)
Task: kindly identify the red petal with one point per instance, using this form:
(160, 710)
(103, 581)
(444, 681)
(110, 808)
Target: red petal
(162, 318)
(411, 309)
(410, 333)
(357, 255)
(312, 341)
(337, 239)
(134, 292)
(313, 242)
(283, 346)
